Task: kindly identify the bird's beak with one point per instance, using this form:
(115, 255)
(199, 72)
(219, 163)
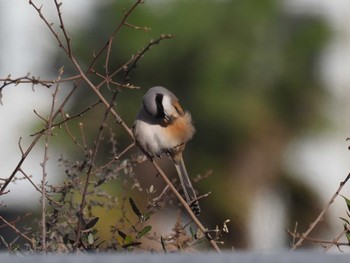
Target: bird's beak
(168, 118)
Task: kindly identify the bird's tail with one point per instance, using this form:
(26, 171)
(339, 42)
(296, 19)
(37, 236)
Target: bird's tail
(190, 194)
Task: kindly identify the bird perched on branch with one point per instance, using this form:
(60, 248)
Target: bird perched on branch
(162, 126)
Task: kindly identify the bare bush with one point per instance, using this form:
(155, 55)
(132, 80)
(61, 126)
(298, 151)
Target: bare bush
(67, 219)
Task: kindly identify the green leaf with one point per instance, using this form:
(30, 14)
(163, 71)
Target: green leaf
(145, 217)
(144, 231)
(135, 208)
(347, 233)
(345, 220)
(132, 244)
(193, 233)
(92, 223)
(128, 239)
(121, 234)
(91, 239)
(347, 201)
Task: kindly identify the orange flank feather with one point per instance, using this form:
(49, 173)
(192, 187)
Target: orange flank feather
(178, 108)
(181, 128)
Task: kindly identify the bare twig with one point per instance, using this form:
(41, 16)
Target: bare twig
(27, 177)
(186, 206)
(81, 128)
(20, 146)
(144, 28)
(326, 244)
(143, 51)
(159, 197)
(320, 216)
(124, 151)
(58, 8)
(68, 118)
(336, 240)
(90, 172)
(116, 158)
(110, 40)
(109, 80)
(43, 165)
(70, 134)
(34, 80)
(49, 25)
(40, 117)
(33, 143)
(101, 97)
(31, 241)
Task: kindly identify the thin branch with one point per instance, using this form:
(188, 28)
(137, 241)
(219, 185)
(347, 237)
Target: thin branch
(58, 8)
(43, 165)
(36, 187)
(320, 216)
(199, 197)
(34, 80)
(90, 172)
(126, 67)
(102, 98)
(110, 40)
(124, 151)
(115, 158)
(326, 244)
(49, 25)
(70, 134)
(81, 128)
(336, 240)
(186, 206)
(31, 241)
(120, 85)
(159, 197)
(68, 118)
(20, 146)
(39, 116)
(143, 51)
(33, 143)
(144, 28)
(26, 79)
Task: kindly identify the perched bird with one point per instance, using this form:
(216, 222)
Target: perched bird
(162, 126)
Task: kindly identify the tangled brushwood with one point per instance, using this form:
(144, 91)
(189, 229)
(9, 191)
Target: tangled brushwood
(68, 219)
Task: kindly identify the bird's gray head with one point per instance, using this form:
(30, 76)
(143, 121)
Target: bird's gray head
(161, 103)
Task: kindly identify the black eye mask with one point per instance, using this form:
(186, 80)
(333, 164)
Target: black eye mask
(160, 109)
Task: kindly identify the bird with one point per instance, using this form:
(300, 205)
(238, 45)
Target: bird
(163, 127)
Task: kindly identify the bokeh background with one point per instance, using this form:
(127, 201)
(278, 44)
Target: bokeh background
(267, 83)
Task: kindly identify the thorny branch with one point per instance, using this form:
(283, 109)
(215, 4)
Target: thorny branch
(43, 164)
(320, 216)
(326, 244)
(82, 76)
(31, 241)
(142, 52)
(67, 118)
(33, 143)
(111, 38)
(90, 170)
(58, 8)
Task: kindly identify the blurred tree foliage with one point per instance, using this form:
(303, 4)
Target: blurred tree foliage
(247, 71)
